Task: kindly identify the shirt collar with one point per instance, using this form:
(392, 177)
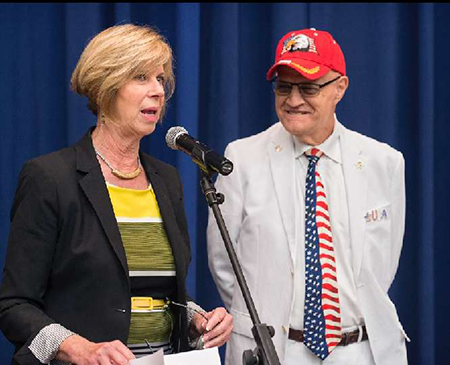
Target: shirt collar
(330, 147)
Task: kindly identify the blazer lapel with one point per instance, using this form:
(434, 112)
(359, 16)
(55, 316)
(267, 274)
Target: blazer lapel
(93, 184)
(354, 163)
(281, 157)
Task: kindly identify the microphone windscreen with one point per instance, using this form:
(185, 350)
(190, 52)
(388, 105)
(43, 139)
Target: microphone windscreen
(172, 135)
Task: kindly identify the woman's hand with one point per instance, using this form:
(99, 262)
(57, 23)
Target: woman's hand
(215, 329)
(77, 350)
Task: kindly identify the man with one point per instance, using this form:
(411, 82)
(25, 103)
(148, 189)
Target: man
(318, 258)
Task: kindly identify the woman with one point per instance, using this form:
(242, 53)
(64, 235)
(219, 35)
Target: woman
(99, 249)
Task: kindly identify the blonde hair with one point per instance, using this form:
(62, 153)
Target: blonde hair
(114, 57)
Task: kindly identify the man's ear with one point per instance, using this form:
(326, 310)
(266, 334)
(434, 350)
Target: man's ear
(341, 87)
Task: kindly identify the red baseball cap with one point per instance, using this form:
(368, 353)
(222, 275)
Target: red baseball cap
(311, 52)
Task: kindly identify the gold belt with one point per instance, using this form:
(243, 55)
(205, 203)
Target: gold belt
(148, 304)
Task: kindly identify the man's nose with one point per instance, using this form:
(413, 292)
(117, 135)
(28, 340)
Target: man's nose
(295, 97)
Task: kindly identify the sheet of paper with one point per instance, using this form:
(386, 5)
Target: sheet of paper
(154, 359)
(196, 357)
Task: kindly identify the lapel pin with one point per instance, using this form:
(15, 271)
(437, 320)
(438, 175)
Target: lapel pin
(278, 148)
(359, 165)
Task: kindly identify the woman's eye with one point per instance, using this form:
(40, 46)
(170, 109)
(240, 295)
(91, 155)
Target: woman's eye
(141, 77)
(160, 79)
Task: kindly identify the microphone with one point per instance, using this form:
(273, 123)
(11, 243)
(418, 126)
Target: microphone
(177, 138)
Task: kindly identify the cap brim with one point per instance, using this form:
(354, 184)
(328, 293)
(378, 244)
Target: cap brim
(310, 70)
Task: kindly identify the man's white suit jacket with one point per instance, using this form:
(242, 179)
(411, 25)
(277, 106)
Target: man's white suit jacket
(260, 216)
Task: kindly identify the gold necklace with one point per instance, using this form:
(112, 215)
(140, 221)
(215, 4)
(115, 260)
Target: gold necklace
(121, 175)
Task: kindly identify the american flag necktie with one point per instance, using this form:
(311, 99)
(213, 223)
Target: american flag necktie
(322, 318)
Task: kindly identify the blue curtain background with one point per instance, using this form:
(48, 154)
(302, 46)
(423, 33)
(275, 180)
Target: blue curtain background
(398, 64)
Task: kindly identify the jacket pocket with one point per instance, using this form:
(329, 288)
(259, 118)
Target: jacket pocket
(242, 323)
(378, 243)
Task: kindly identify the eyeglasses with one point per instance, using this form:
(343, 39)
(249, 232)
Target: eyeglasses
(306, 89)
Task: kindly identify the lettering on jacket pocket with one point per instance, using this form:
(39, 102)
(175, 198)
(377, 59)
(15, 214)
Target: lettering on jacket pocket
(378, 214)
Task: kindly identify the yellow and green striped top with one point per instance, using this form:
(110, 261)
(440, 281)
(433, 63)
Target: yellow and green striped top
(150, 262)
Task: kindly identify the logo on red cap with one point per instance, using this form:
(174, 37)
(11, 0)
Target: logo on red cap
(299, 42)
(310, 52)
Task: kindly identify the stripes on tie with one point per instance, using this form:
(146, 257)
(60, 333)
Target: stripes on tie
(322, 322)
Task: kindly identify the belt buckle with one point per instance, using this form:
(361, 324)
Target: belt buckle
(345, 339)
(142, 303)
(351, 337)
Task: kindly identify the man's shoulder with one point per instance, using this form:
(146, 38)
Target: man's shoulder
(256, 141)
(368, 144)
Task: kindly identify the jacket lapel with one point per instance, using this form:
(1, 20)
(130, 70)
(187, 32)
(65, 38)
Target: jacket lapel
(281, 157)
(93, 185)
(354, 164)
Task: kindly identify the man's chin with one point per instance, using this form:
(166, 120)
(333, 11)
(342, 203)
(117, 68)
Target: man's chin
(297, 125)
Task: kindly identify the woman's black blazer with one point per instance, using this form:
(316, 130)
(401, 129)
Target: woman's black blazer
(65, 260)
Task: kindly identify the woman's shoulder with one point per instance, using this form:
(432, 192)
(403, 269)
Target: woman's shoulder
(56, 160)
(156, 164)
(65, 160)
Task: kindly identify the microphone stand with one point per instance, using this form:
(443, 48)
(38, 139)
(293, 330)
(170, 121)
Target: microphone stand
(265, 353)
